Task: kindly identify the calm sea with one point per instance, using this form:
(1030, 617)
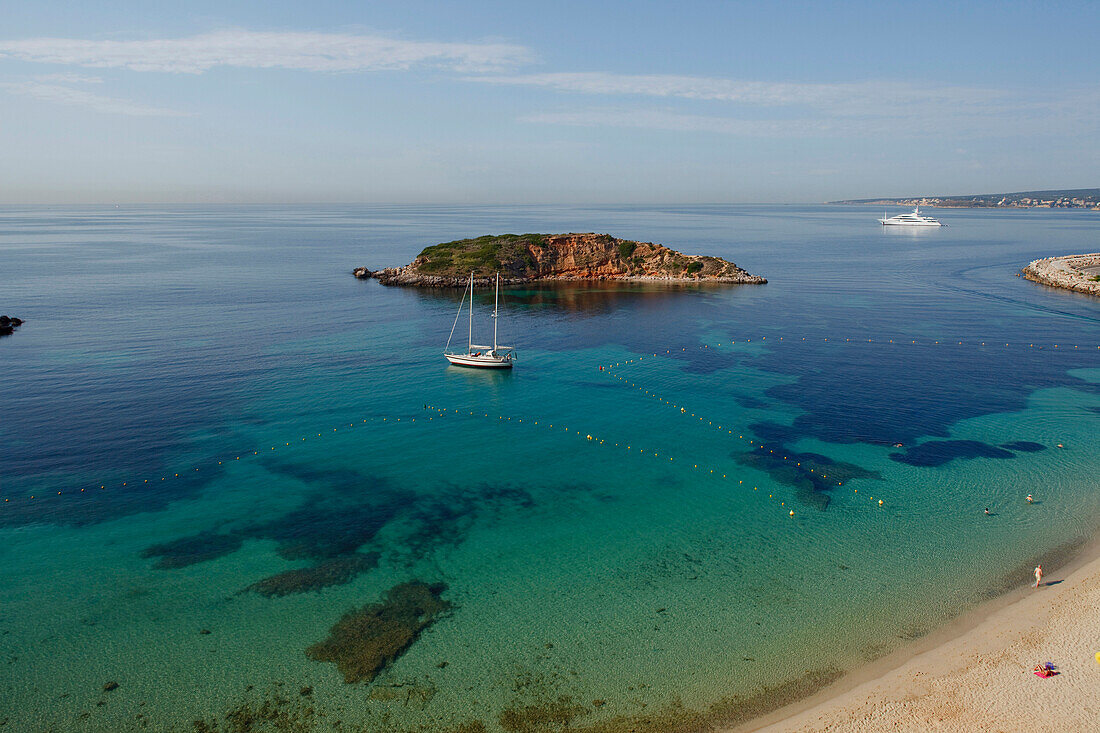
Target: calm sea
(230, 443)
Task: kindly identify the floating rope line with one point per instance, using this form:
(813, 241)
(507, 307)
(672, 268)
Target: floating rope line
(590, 438)
(607, 368)
(224, 460)
(819, 470)
(756, 446)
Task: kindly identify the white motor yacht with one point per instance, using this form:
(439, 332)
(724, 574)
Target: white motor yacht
(910, 220)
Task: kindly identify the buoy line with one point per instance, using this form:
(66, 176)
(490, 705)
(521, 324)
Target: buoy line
(756, 446)
(820, 470)
(213, 462)
(590, 438)
(835, 340)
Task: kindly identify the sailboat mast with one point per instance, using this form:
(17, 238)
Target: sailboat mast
(496, 305)
(470, 340)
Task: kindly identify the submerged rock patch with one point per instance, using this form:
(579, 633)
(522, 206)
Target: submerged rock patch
(561, 714)
(811, 474)
(752, 403)
(272, 713)
(445, 519)
(193, 549)
(344, 511)
(1024, 446)
(939, 452)
(365, 641)
(335, 571)
(553, 715)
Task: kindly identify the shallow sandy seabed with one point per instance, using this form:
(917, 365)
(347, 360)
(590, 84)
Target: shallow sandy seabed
(983, 680)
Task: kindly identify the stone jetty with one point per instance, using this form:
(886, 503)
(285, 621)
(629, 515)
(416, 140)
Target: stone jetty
(1072, 272)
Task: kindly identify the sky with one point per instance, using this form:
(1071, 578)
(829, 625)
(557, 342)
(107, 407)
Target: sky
(633, 101)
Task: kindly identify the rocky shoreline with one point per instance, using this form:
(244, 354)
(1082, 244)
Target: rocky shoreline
(8, 325)
(407, 277)
(530, 258)
(1067, 272)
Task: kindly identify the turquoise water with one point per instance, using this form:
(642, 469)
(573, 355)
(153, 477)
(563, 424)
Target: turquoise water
(594, 584)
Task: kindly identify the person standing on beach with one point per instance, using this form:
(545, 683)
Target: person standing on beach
(1038, 574)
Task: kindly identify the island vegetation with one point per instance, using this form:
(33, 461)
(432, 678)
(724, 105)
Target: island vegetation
(523, 258)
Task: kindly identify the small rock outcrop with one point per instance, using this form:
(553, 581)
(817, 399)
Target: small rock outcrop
(522, 258)
(361, 272)
(8, 325)
(1072, 272)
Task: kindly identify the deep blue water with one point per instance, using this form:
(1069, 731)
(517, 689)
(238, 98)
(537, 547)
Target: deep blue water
(161, 340)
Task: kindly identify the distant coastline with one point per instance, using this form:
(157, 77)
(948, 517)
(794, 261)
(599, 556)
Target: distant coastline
(1079, 198)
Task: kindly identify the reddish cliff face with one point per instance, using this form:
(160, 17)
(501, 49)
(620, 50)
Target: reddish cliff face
(595, 256)
(529, 257)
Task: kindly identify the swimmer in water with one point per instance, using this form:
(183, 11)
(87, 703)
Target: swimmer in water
(1030, 500)
(987, 511)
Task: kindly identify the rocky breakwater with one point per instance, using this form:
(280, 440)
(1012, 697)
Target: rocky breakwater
(522, 258)
(1072, 272)
(8, 325)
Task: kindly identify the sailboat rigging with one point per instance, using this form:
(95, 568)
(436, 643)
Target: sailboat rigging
(477, 355)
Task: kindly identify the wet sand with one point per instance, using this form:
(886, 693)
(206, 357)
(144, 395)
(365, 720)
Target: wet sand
(977, 674)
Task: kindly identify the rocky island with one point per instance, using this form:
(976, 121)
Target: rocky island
(522, 258)
(1072, 272)
(8, 325)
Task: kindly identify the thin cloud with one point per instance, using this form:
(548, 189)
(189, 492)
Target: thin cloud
(781, 109)
(806, 127)
(59, 94)
(854, 98)
(264, 50)
(678, 122)
(64, 78)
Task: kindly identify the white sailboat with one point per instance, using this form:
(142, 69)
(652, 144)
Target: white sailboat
(477, 355)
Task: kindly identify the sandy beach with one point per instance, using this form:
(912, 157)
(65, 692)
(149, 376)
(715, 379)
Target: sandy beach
(980, 679)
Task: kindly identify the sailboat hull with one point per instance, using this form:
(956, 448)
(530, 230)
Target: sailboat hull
(483, 361)
(478, 356)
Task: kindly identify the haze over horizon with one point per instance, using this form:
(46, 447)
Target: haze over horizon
(497, 102)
